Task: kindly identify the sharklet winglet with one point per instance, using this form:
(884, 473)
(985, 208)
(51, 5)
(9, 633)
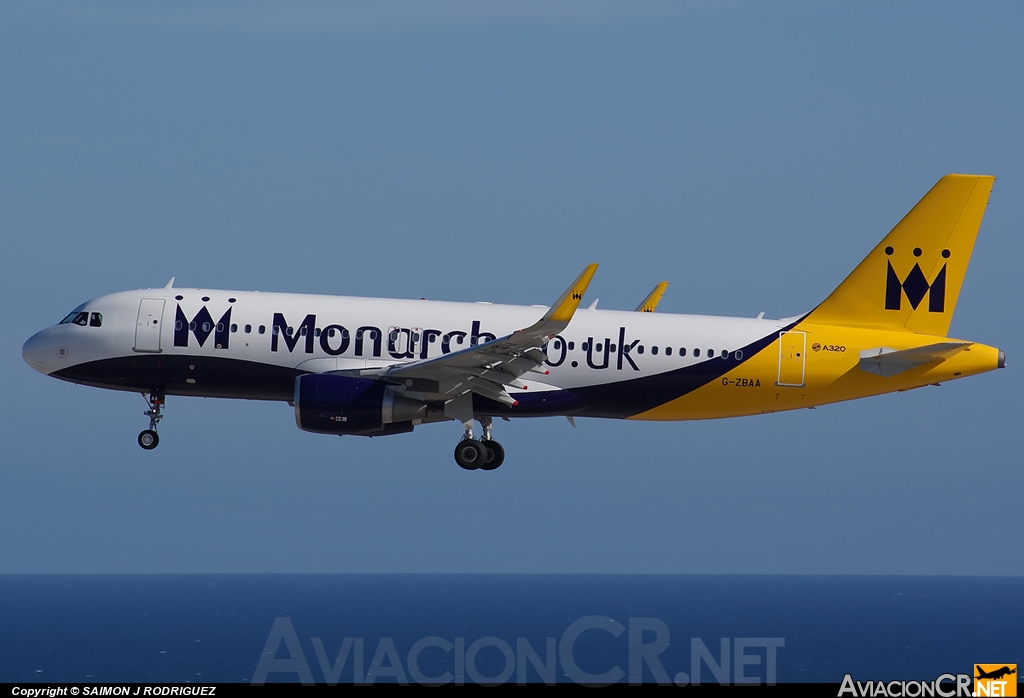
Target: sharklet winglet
(653, 298)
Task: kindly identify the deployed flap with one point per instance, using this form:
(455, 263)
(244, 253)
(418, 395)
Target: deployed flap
(912, 278)
(487, 368)
(653, 298)
(889, 362)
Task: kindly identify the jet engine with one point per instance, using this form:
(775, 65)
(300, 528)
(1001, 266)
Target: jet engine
(332, 404)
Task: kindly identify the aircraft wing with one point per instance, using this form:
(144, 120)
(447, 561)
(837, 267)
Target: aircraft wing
(889, 362)
(486, 369)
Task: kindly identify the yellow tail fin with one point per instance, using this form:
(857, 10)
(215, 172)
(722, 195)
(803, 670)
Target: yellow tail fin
(912, 278)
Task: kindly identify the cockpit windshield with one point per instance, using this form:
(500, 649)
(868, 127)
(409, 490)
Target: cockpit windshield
(78, 317)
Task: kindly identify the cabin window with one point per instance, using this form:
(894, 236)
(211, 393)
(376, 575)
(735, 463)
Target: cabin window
(654, 350)
(248, 329)
(682, 351)
(572, 345)
(640, 349)
(234, 327)
(95, 320)
(696, 352)
(738, 355)
(668, 351)
(262, 329)
(394, 335)
(725, 353)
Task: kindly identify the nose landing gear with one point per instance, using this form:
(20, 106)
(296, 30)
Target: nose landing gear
(148, 438)
(485, 454)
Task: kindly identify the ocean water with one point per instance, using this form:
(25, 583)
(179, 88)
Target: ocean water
(215, 628)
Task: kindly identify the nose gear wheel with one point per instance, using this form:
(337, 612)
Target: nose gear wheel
(149, 439)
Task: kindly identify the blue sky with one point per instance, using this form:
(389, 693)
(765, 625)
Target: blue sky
(750, 154)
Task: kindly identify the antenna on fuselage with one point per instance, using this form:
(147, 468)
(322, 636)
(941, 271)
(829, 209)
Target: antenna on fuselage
(170, 284)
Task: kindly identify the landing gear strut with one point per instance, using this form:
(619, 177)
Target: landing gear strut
(148, 438)
(485, 454)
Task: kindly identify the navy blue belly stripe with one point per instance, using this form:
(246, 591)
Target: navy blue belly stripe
(210, 376)
(632, 397)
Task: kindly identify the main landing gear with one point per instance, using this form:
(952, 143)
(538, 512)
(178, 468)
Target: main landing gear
(485, 454)
(148, 438)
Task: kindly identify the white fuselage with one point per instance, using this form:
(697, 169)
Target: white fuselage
(217, 343)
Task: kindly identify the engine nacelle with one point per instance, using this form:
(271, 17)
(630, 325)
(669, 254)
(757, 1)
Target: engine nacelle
(329, 404)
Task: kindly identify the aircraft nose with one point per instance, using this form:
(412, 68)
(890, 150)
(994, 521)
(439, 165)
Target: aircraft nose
(39, 352)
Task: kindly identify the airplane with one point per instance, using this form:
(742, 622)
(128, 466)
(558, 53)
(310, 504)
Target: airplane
(378, 367)
(996, 674)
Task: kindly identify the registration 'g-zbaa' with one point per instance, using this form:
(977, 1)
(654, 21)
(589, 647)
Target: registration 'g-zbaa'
(375, 366)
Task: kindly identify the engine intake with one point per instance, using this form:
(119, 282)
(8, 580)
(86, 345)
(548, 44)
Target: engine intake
(329, 404)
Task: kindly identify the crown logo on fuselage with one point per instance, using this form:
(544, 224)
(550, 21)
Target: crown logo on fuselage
(201, 326)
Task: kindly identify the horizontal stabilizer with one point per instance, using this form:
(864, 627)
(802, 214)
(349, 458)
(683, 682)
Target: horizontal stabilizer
(889, 362)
